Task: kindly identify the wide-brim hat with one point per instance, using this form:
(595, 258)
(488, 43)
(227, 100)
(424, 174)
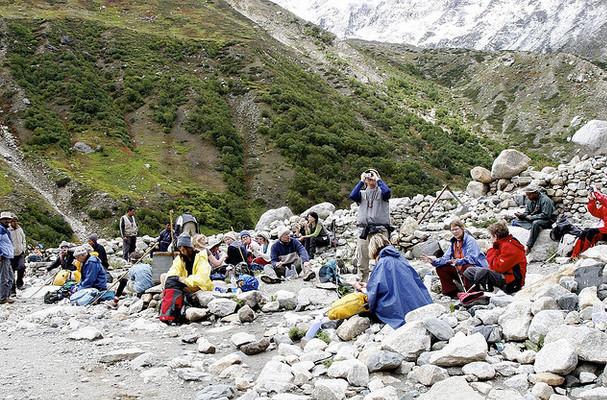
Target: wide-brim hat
(215, 242)
(6, 215)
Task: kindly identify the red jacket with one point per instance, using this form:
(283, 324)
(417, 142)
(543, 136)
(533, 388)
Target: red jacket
(506, 254)
(599, 212)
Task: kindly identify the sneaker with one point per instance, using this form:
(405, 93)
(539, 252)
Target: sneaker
(269, 280)
(309, 276)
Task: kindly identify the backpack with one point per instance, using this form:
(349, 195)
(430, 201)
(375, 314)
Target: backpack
(328, 273)
(171, 306)
(62, 293)
(84, 297)
(248, 283)
(64, 276)
(349, 305)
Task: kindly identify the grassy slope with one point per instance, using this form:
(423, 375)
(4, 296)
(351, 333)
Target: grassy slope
(131, 70)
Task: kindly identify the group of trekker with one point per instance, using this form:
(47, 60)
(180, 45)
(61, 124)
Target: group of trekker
(392, 286)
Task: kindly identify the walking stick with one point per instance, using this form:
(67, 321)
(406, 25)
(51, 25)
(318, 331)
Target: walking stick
(100, 295)
(171, 228)
(42, 287)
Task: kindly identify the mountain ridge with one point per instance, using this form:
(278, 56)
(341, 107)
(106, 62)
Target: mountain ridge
(537, 25)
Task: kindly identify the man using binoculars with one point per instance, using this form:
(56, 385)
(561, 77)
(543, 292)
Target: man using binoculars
(372, 195)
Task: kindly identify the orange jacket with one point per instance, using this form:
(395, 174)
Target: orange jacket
(506, 254)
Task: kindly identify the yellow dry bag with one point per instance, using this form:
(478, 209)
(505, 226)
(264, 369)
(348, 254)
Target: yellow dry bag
(349, 305)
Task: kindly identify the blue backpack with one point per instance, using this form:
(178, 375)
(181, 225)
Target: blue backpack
(248, 283)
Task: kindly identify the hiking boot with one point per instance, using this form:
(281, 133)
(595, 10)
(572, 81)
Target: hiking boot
(309, 276)
(8, 300)
(269, 280)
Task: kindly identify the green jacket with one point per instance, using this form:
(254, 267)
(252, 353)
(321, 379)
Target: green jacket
(542, 208)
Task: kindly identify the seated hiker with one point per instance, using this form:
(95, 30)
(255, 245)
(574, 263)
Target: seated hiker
(218, 267)
(250, 245)
(539, 214)
(288, 257)
(139, 277)
(237, 252)
(263, 252)
(99, 251)
(190, 270)
(394, 287)
(597, 207)
(64, 259)
(93, 274)
(463, 253)
(315, 234)
(164, 238)
(507, 263)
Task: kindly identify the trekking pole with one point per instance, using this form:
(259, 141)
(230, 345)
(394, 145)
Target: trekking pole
(42, 287)
(100, 295)
(433, 204)
(171, 227)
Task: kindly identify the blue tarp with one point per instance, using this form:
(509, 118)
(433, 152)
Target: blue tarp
(394, 288)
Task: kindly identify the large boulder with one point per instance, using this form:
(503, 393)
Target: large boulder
(592, 135)
(477, 189)
(323, 210)
(481, 174)
(353, 327)
(275, 376)
(543, 322)
(455, 388)
(590, 344)
(461, 350)
(410, 340)
(543, 248)
(275, 214)
(515, 320)
(509, 163)
(556, 357)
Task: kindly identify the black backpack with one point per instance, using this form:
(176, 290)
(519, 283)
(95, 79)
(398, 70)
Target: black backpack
(64, 292)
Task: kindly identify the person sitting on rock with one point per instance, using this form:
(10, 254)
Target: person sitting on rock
(394, 287)
(100, 252)
(263, 254)
(216, 261)
(93, 273)
(139, 278)
(287, 258)
(237, 252)
(539, 214)
(65, 258)
(250, 245)
(464, 252)
(165, 238)
(507, 263)
(315, 234)
(597, 207)
(190, 270)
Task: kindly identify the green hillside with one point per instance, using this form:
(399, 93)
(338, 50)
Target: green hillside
(195, 108)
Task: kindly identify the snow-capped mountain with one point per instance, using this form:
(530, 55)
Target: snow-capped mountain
(578, 26)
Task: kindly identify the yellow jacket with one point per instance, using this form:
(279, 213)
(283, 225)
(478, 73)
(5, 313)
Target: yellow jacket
(201, 272)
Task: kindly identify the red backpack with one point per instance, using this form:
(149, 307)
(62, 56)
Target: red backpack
(171, 306)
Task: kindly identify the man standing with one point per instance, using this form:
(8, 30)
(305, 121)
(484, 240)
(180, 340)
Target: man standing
(128, 232)
(539, 214)
(6, 255)
(18, 261)
(372, 195)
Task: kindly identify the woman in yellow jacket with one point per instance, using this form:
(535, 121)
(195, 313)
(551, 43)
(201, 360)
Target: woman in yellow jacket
(191, 267)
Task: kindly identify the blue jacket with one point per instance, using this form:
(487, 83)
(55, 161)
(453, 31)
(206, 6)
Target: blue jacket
(6, 244)
(279, 249)
(394, 288)
(141, 275)
(93, 275)
(472, 254)
(386, 192)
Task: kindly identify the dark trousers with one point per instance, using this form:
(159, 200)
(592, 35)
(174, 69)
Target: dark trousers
(312, 243)
(534, 228)
(129, 245)
(448, 276)
(6, 278)
(485, 279)
(18, 265)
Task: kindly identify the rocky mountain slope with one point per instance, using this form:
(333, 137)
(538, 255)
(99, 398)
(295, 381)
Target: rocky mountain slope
(577, 27)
